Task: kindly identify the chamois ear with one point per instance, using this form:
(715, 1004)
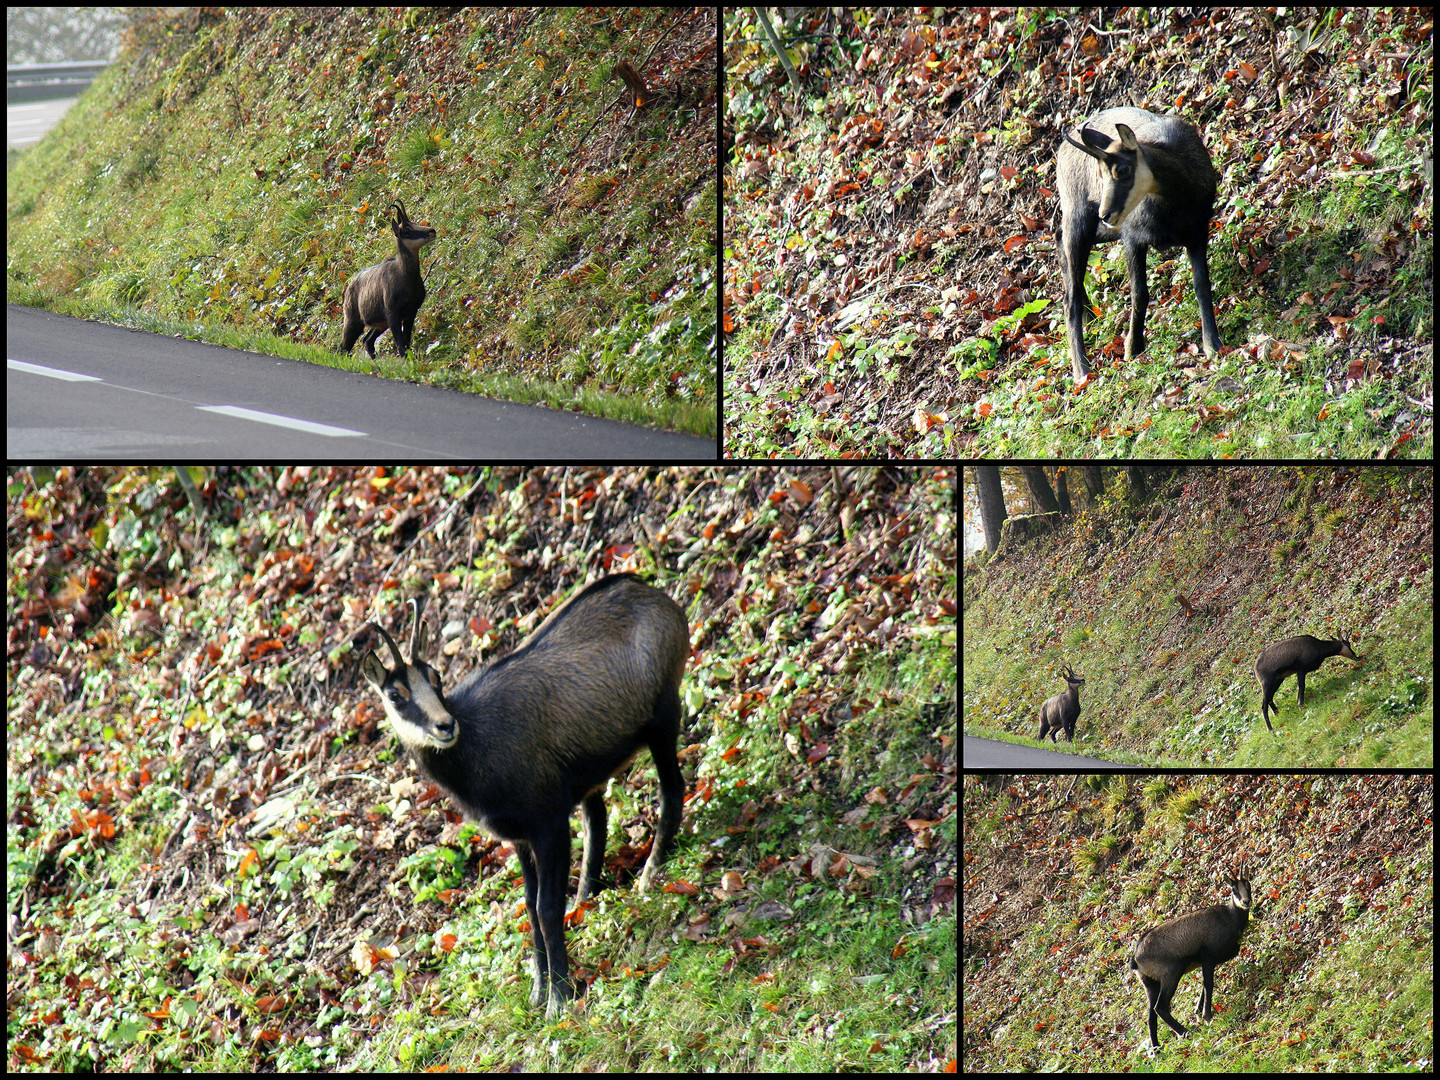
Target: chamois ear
(1204, 939)
(1146, 179)
(520, 743)
(387, 296)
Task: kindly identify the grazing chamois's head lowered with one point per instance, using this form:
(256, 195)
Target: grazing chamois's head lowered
(1147, 180)
(1062, 710)
(1203, 939)
(387, 296)
(1296, 656)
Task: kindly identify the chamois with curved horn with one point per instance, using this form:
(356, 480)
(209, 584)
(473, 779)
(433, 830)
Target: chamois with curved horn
(387, 296)
(1204, 939)
(522, 741)
(1146, 179)
(1062, 710)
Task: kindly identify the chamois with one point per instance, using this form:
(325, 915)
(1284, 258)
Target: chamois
(521, 742)
(1062, 710)
(1203, 939)
(387, 296)
(1296, 656)
(1147, 180)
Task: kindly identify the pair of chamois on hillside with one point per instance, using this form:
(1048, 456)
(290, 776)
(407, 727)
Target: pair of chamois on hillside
(1296, 656)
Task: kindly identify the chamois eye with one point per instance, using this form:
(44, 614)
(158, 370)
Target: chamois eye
(520, 743)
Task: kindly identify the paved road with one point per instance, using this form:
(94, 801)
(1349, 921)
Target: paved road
(995, 754)
(78, 389)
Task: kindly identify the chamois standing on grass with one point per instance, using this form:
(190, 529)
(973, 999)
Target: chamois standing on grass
(387, 296)
(525, 739)
(1203, 939)
(1296, 656)
(1146, 179)
(1062, 710)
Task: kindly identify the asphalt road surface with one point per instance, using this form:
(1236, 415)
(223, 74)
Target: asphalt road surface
(994, 754)
(78, 389)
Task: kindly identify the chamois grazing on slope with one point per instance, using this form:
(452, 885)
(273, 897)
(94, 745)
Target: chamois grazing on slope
(521, 742)
(387, 296)
(1062, 710)
(1296, 656)
(1203, 939)
(1147, 180)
